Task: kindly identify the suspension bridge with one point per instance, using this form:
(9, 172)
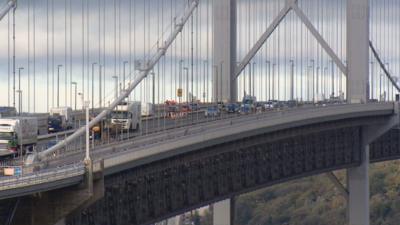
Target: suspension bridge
(243, 94)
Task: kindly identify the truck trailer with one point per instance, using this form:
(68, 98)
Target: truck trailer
(6, 111)
(18, 135)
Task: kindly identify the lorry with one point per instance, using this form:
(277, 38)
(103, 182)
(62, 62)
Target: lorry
(60, 119)
(126, 116)
(18, 135)
(42, 124)
(7, 112)
(248, 104)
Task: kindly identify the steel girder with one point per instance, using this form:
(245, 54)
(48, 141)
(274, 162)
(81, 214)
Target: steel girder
(150, 193)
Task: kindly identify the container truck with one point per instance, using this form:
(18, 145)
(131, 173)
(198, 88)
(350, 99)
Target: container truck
(18, 135)
(42, 125)
(7, 111)
(126, 116)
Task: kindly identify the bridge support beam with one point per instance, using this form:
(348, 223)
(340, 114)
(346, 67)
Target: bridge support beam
(358, 187)
(357, 51)
(224, 42)
(358, 92)
(223, 212)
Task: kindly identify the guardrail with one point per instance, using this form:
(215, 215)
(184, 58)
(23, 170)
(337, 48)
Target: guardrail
(42, 176)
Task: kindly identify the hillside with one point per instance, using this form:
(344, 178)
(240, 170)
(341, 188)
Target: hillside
(315, 201)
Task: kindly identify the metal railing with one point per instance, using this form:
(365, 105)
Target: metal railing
(42, 176)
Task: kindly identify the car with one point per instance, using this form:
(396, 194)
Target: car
(245, 109)
(258, 107)
(271, 104)
(194, 106)
(212, 111)
(232, 108)
(291, 103)
(221, 105)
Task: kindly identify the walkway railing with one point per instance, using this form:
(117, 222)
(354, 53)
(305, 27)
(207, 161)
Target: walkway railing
(42, 176)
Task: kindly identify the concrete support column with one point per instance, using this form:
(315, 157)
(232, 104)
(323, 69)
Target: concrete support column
(358, 187)
(357, 51)
(223, 212)
(224, 49)
(358, 92)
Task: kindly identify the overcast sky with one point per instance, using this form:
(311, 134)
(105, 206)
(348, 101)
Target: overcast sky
(151, 20)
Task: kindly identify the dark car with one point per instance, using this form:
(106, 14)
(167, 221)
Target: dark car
(232, 108)
(291, 103)
(212, 111)
(54, 124)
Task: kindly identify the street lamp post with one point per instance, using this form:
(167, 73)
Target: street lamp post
(153, 95)
(253, 79)
(58, 85)
(380, 87)
(205, 92)
(333, 78)
(313, 79)
(273, 82)
(372, 80)
(100, 86)
(187, 83)
(317, 81)
(75, 84)
(324, 79)
(291, 79)
(82, 100)
(215, 90)
(124, 75)
(308, 83)
(93, 64)
(87, 155)
(116, 86)
(180, 77)
(268, 91)
(19, 101)
(19, 87)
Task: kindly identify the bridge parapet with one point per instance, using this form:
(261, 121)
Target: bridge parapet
(41, 177)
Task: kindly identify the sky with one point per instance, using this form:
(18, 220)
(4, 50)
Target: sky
(115, 31)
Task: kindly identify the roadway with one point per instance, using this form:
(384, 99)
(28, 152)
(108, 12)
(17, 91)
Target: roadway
(156, 132)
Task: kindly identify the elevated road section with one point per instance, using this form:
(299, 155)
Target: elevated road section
(163, 174)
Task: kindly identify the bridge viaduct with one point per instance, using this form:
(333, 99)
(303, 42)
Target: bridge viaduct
(169, 178)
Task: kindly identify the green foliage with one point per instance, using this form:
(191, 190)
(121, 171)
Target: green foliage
(314, 201)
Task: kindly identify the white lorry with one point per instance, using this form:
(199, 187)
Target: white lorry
(126, 116)
(18, 135)
(64, 114)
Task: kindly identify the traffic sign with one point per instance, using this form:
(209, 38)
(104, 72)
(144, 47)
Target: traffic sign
(179, 92)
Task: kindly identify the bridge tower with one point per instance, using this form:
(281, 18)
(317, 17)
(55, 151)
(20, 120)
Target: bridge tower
(224, 49)
(357, 92)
